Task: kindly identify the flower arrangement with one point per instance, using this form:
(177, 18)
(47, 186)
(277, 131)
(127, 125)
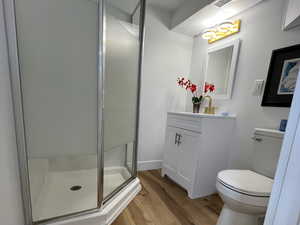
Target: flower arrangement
(195, 90)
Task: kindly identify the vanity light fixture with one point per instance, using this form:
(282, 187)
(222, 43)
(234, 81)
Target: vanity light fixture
(209, 33)
(222, 30)
(225, 26)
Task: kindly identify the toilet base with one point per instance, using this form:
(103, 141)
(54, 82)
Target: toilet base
(231, 217)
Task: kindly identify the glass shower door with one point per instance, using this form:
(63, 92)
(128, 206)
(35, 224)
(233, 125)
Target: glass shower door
(58, 59)
(121, 89)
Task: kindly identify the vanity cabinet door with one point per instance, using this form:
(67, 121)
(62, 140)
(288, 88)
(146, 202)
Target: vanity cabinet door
(171, 149)
(188, 149)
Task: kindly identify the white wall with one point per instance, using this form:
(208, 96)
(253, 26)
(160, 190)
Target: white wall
(261, 33)
(167, 55)
(10, 203)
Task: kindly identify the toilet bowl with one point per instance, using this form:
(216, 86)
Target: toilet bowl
(246, 192)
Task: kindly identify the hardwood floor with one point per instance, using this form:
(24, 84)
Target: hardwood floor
(162, 202)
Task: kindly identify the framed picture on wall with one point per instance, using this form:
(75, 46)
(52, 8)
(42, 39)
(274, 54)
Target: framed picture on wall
(282, 77)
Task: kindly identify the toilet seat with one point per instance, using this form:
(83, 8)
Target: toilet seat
(244, 199)
(246, 182)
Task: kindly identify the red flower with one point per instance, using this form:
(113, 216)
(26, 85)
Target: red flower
(180, 81)
(187, 84)
(212, 88)
(193, 88)
(209, 87)
(206, 86)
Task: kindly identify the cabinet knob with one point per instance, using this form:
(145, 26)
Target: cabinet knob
(177, 138)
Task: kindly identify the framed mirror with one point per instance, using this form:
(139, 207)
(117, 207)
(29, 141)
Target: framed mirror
(221, 67)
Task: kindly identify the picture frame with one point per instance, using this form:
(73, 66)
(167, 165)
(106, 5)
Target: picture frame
(282, 77)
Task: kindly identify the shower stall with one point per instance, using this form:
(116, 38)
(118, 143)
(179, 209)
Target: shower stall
(75, 73)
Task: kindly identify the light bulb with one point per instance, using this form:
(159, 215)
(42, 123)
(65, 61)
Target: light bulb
(225, 26)
(209, 34)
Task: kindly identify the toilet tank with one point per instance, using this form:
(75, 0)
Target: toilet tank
(267, 146)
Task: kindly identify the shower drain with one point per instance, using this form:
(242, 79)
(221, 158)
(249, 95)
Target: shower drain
(75, 188)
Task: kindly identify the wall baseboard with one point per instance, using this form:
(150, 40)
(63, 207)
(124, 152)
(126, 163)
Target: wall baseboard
(149, 165)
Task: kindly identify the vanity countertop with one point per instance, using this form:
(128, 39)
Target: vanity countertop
(202, 115)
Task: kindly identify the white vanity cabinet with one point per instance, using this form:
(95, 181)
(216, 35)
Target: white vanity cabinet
(196, 148)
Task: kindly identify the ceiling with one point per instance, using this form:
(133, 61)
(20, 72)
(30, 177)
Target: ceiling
(169, 5)
(127, 6)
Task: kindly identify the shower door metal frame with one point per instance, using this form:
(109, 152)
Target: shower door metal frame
(12, 49)
(17, 97)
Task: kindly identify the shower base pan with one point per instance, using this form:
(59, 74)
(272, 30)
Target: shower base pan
(79, 190)
(109, 211)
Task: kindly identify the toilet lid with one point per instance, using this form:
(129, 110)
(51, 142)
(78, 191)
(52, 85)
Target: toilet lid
(247, 182)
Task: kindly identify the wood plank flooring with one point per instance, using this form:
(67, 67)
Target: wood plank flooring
(162, 202)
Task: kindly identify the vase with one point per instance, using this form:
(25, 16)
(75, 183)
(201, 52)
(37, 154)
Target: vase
(196, 107)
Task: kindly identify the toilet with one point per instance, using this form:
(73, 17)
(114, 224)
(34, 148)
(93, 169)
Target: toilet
(246, 192)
